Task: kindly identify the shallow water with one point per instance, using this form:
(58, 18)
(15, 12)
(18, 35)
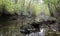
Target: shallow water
(41, 33)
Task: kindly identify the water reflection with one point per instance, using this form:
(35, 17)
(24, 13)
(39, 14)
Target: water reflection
(41, 33)
(1, 34)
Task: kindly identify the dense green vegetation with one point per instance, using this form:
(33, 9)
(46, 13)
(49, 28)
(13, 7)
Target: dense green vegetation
(54, 7)
(33, 6)
(24, 5)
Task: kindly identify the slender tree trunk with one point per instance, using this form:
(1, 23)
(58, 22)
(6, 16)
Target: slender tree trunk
(51, 12)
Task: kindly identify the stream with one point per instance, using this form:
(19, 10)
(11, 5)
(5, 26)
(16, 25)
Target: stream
(41, 33)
